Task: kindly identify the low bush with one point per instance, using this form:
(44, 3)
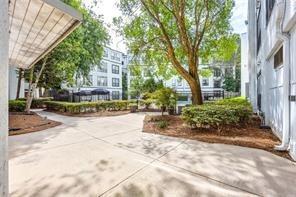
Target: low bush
(86, 107)
(147, 103)
(37, 103)
(17, 106)
(218, 114)
(162, 124)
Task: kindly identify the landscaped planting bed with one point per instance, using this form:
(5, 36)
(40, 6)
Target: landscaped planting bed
(21, 123)
(228, 121)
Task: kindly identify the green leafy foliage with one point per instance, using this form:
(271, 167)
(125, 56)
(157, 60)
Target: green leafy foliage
(17, 106)
(74, 57)
(165, 98)
(232, 83)
(37, 103)
(162, 124)
(172, 36)
(86, 107)
(218, 114)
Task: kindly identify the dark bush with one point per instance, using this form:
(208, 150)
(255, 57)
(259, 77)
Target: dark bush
(17, 106)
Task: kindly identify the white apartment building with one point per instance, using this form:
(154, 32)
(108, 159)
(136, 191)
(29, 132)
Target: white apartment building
(108, 74)
(272, 66)
(211, 86)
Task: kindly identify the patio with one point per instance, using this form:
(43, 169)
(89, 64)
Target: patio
(110, 156)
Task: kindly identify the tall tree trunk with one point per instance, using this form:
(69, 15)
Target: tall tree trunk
(196, 91)
(19, 82)
(30, 92)
(33, 85)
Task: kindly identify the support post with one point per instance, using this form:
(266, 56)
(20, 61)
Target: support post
(4, 42)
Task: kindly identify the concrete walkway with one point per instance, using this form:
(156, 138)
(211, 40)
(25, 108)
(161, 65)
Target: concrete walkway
(110, 156)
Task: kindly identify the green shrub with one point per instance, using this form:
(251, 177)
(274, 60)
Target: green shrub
(218, 114)
(147, 103)
(86, 107)
(165, 98)
(37, 103)
(17, 106)
(162, 124)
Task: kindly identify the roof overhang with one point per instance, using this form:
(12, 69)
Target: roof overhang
(36, 27)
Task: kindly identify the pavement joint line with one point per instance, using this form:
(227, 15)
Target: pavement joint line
(210, 178)
(139, 170)
(127, 149)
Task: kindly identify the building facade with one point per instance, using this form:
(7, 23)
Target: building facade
(107, 75)
(272, 66)
(244, 66)
(211, 86)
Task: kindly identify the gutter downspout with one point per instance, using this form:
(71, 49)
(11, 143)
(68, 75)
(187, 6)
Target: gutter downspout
(286, 82)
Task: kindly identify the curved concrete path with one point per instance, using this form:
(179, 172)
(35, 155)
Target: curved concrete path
(110, 156)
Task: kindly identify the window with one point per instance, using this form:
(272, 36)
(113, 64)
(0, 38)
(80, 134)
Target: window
(259, 26)
(115, 69)
(217, 72)
(269, 8)
(90, 80)
(182, 97)
(228, 72)
(103, 67)
(217, 84)
(205, 82)
(278, 58)
(115, 82)
(115, 95)
(115, 56)
(173, 82)
(179, 82)
(102, 81)
(105, 53)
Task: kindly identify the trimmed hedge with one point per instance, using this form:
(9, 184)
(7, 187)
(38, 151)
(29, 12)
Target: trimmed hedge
(218, 114)
(17, 106)
(37, 103)
(86, 107)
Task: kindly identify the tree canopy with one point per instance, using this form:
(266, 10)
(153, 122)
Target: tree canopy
(177, 34)
(74, 57)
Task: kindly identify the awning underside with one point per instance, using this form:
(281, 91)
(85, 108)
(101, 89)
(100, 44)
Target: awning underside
(36, 27)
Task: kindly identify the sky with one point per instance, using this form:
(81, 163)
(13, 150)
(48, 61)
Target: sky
(109, 10)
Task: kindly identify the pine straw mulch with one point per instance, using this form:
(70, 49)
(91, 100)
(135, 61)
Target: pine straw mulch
(21, 123)
(249, 135)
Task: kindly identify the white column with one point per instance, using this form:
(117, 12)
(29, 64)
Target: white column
(252, 53)
(4, 40)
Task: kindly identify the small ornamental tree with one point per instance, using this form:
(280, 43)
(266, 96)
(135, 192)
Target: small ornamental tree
(165, 97)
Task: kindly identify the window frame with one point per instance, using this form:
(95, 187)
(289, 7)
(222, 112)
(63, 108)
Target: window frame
(207, 82)
(278, 58)
(105, 83)
(115, 71)
(114, 82)
(105, 70)
(117, 95)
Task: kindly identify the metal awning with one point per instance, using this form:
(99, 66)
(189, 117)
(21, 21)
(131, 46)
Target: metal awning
(36, 27)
